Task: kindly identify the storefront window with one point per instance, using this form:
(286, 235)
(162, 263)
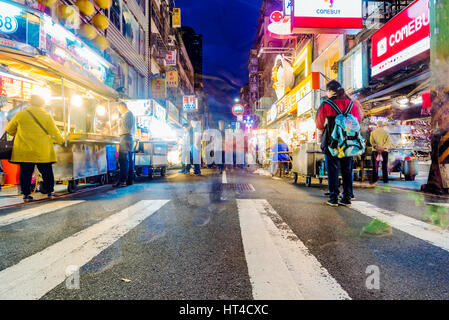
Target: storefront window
(131, 29)
(132, 83)
(329, 67)
(353, 72)
(115, 13)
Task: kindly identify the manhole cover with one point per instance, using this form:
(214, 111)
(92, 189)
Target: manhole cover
(237, 187)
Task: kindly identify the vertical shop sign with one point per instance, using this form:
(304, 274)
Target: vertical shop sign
(158, 89)
(190, 103)
(176, 19)
(170, 58)
(172, 78)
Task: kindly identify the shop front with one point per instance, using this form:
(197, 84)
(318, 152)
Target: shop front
(39, 56)
(401, 50)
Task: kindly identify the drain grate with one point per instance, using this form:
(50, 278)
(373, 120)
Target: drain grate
(237, 187)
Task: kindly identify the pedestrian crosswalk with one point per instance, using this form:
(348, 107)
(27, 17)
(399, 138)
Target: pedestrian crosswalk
(36, 275)
(279, 264)
(36, 211)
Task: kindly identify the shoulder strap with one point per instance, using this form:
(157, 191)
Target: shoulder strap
(349, 109)
(37, 121)
(334, 106)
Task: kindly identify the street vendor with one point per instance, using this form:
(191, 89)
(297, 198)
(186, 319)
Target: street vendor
(127, 130)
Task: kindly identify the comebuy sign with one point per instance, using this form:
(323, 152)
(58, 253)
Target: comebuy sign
(406, 37)
(327, 16)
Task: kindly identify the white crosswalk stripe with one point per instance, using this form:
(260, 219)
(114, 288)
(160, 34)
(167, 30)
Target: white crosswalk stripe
(279, 264)
(36, 275)
(418, 229)
(29, 213)
(223, 178)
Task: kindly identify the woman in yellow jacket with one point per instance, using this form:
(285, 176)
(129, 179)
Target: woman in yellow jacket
(35, 132)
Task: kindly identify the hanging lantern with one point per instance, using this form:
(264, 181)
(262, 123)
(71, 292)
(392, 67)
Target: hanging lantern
(65, 11)
(100, 21)
(102, 43)
(85, 7)
(88, 31)
(104, 4)
(47, 3)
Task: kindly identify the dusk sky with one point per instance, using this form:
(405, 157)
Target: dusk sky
(228, 28)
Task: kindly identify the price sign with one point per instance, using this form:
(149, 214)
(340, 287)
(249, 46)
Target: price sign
(8, 23)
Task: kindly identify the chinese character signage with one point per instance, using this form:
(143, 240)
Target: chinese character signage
(176, 19)
(170, 58)
(190, 103)
(158, 90)
(172, 78)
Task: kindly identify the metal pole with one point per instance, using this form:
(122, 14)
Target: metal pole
(64, 112)
(109, 113)
(439, 56)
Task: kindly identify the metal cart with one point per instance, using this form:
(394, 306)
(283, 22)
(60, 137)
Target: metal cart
(84, 157)
(151, 156)
(305, 162)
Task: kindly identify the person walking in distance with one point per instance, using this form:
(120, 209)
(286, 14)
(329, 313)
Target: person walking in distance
(326, 115)
(221, 129)
(380, 141)
(127, 129)
(35, 132)
(185, 150)
(195, 145)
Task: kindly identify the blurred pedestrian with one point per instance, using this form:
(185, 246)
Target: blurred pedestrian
(126, 161)
(222, 145)
(195, 145)
(380, 141)
(185, 149)
(280, 156)
(325, 121)
(35, 132)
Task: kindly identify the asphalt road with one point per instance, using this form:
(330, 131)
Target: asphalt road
(238, 236)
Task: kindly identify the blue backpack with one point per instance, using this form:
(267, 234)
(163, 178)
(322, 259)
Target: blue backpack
(345, 139)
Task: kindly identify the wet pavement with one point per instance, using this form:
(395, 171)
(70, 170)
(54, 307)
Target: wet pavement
(223, 237)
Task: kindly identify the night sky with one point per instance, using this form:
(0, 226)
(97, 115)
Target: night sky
(228, 28)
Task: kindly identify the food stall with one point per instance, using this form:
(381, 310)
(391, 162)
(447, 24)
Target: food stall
(42, 57)
(154, 137)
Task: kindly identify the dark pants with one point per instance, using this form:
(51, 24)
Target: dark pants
(376, 167)
(352, 168)
(222, 162)
(196, 167)
(126, 162)
(26, 173)
(333, 166)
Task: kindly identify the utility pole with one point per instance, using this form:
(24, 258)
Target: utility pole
(439, 56)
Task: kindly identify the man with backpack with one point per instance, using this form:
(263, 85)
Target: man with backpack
(339, 118)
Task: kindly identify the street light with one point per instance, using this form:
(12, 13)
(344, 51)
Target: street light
(236, 100)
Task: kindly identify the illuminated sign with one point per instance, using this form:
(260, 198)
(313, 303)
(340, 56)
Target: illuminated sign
(240, 118)
(303, 60)
(159, 111)
(8, 22)
(170, 58)
(280, 26)
(288, 6)
(190, 103)
(173, 112)
(327, 16)
(282, 76)
(405, 37)
(158, 89)
(272, 114)
(172, 78)
(289, 103)
(176, 19)
(238, 110)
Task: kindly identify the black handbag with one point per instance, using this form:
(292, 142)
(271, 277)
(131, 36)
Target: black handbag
(5, 147)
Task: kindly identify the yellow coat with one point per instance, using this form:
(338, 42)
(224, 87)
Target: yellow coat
(31, 143)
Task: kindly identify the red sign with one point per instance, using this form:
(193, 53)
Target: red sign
(326, 16)
(238, 110)
(405, 37)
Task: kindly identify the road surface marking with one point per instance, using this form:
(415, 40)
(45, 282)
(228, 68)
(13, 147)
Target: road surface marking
(223, 178)
(36, 275)
(279, 264)
(35, 211)
(418, 229)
